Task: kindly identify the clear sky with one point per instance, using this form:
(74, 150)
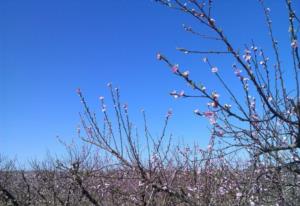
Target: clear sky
(49, 48)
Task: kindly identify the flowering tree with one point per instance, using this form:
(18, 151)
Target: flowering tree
(265, 122)
(268, 118)
(252, 157)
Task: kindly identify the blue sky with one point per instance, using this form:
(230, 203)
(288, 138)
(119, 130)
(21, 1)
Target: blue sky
(50, 48)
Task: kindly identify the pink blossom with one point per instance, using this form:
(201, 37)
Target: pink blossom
(181, 94)
(247, 55)
(205, 60)
(214, 104)
(78, 91)
(238, 72)
(220, 133)
(109, 84)
(215, 95)
(214, 69)
(158, 56)
(101, 98)
(174, 94)
(175, 68)
(294, 44)
(254, 117)
(212, 121)
(169, 113)
(208, 114)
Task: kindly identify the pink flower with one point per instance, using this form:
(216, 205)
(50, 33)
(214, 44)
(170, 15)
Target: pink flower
(125, 106)
(208, 114)
(215, 95)
(101, 98)
(214, 69)
(247, 55)
(205, 60)
(158, 56)
(220, 133)
(78, 91)
(238, 72)
(215, 104)
(294, 44)
(212, 121)
(181, 94)
(169, 113)
(255, 117)
(174, 94)
(109, 84)
(175, 68)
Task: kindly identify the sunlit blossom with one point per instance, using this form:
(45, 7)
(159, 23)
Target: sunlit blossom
(247, 56)
(215, 95)
(294, 44)
(214, 69)
(185, 74)
(158, 56)
(197, 111)
(174, 94)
